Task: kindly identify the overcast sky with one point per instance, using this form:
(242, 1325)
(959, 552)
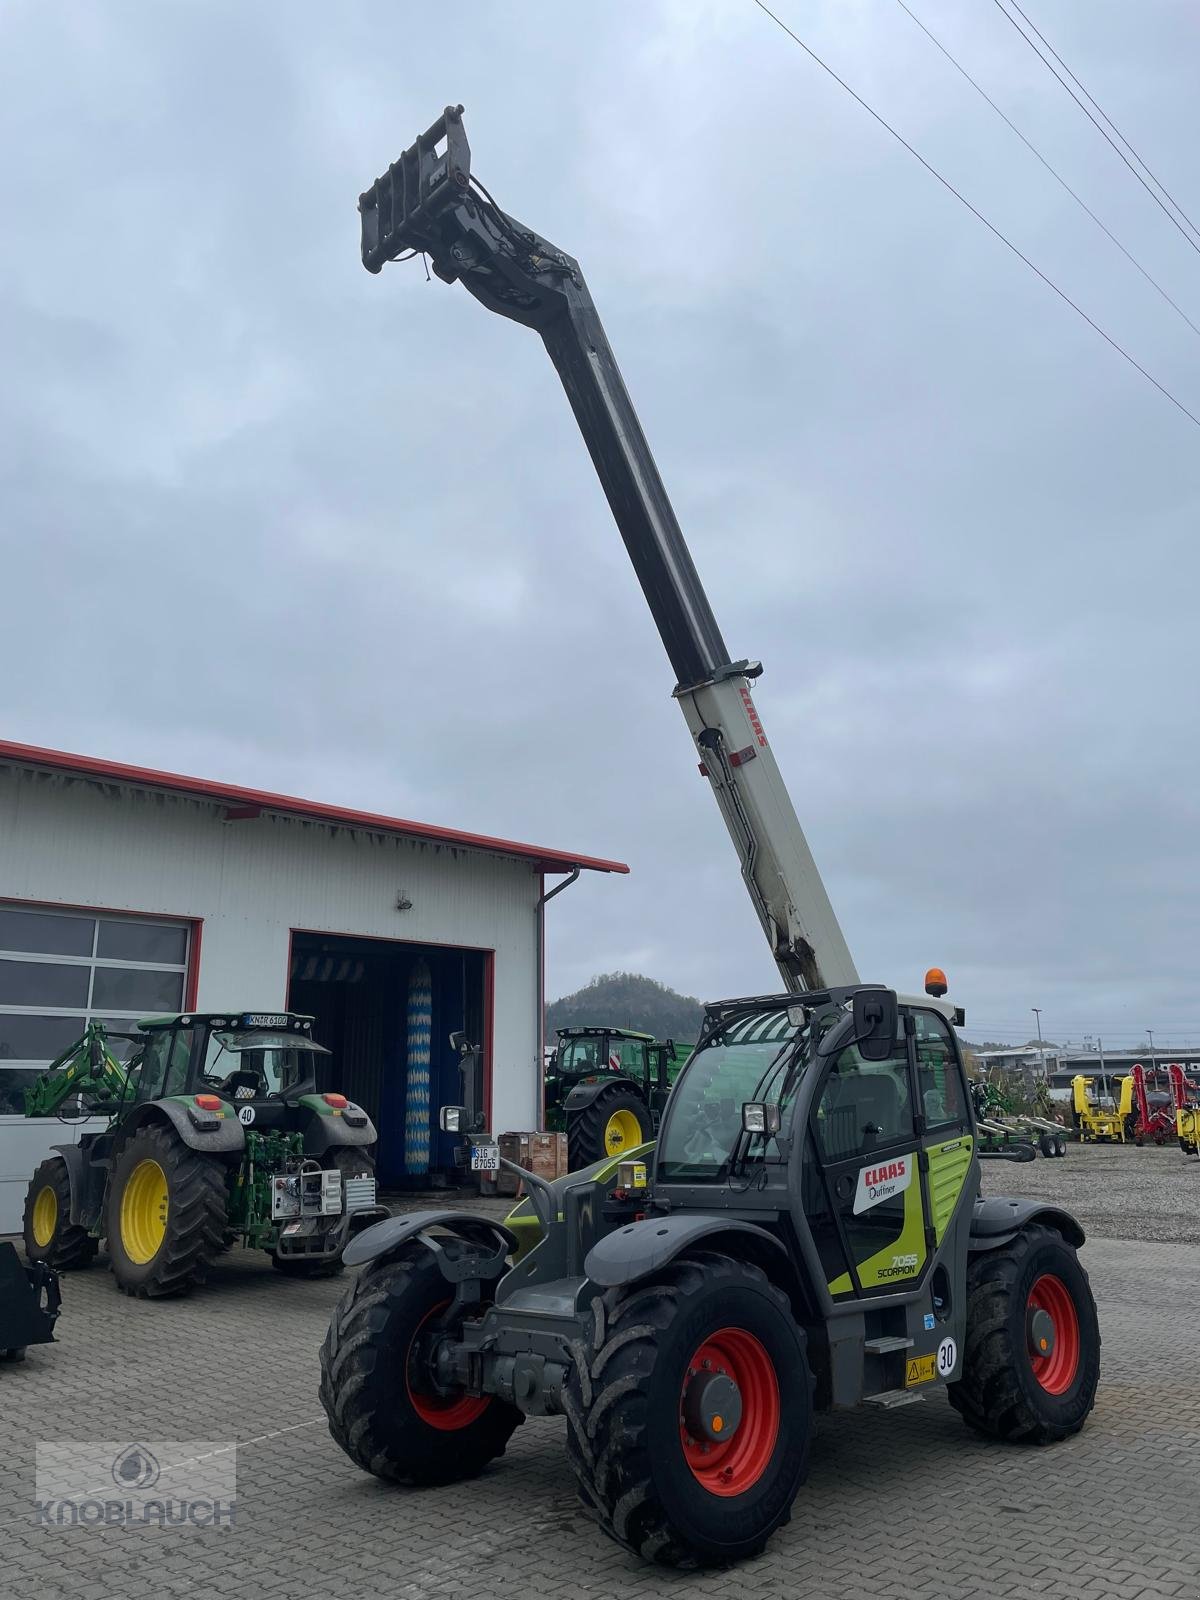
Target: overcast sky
(269, 519)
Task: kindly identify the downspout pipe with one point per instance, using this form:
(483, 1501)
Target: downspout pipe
(540, 983)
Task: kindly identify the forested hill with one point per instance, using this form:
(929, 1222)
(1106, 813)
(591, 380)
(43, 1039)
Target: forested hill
(627, 1000)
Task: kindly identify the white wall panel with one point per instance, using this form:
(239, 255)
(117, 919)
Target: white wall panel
(66, 840)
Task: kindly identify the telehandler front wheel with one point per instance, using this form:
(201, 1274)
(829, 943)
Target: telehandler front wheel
(617, 1121)
(1031, 1360)
(50, 1235)
(376, 1384)
(165, 1217)
(690, 1413)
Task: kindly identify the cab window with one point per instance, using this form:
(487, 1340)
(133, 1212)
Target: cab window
(864, 1105)
(939, 1080)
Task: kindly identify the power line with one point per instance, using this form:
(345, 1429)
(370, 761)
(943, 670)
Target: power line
(1162, 186)
(1053, 171)
(1050, 67)
(975, 212)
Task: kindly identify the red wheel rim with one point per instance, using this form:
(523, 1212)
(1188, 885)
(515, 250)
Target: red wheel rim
(448, 1413)
(1055, 1371)
(730, 1466)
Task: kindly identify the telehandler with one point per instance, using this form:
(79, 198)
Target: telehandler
(216, 1134)
(808, 1232)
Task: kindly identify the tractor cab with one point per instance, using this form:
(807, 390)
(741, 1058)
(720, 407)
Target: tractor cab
(260, 1064)
(607, 1088)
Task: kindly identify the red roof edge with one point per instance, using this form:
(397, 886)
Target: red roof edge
(291, 806)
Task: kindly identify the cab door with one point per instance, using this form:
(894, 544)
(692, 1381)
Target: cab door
(864, 1198)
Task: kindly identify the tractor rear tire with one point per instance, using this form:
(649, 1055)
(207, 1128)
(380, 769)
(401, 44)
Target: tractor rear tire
(351, 1161)
(616, 1122)
(165, 1217)
(1007, 1389)
(50, 1235)
(651, 1470)
(379, 1412)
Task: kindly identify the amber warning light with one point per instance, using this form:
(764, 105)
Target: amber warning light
(935, 981)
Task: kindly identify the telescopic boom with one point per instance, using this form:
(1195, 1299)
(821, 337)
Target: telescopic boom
(427, 202)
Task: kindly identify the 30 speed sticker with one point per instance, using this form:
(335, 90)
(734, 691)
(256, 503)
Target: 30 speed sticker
(947, 1357)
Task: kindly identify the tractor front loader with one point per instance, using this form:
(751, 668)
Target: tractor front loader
(217, 1134)
(808, 1232)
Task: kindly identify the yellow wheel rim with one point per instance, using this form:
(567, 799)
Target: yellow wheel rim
(45, 1216)
(622, 1132)
(144, 1206)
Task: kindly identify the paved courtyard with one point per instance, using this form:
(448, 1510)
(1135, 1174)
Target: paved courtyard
(898, 1504)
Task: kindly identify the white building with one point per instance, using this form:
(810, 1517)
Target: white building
(127, 893)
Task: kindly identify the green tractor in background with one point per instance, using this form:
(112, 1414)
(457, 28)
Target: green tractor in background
(217, 1135)
(606, 1087)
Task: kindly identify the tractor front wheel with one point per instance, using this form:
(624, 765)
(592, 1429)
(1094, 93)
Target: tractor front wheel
(1031, 1360)
(689, 1413)
(50, 1235)
(377, 1389)
(616, 1121)
(165, 1214)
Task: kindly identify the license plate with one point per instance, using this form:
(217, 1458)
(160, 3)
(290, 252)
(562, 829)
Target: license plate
(292, 1227)
(920, 1369)
(485, 1158)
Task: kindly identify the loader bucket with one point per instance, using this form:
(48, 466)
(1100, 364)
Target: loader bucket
(400, 210)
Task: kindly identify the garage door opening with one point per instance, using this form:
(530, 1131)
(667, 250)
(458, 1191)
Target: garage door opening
(386, 1011)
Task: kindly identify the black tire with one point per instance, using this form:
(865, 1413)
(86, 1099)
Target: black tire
(587, 1127)
(367, 1385)
(1060, 1144)
(195, 1223)
(1047, 1144)
(999, 1393)
(351, 1161)
(14, 1355)
(624, 1402)
(70, 1245)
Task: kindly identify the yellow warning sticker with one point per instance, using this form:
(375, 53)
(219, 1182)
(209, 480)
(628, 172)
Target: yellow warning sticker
(921, 1369)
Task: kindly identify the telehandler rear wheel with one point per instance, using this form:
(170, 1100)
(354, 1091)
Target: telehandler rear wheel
(50, 1235)
(690, 1413)
(1031, 1359)
(617, 1121)
(165, 1213)
(376, 1386)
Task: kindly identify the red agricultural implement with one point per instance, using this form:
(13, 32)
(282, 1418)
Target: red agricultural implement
(1185, 1098)
(1146, 1119)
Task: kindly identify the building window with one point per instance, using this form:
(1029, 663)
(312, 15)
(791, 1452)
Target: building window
(60, 970)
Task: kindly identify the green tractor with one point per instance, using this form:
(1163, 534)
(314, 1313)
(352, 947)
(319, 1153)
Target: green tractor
(606, 1087)
(807, 1235)
(217, 1134)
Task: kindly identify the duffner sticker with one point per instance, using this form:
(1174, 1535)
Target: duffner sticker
(881, 1181)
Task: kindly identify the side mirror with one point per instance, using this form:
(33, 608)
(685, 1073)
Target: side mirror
(759, 1116)
(458, 1042)
(876, 1013)
(453, 1119)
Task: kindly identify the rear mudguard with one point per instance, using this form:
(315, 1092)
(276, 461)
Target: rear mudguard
(493, 1242)
(996, 1221)
(584, 1093)
(324, 1129)
(642, 1248)
(213, 1133)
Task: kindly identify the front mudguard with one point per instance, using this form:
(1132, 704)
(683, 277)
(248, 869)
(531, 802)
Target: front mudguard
(641, 1249)
(491, 1243)
(997, 1220)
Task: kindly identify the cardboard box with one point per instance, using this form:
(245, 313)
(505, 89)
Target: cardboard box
(543, 1154)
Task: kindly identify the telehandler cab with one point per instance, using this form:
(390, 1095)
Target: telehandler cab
(216, 1134)
(807, 1233)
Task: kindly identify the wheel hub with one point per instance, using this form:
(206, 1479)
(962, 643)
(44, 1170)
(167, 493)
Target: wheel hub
(712, 1406)
(1041, 1333)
